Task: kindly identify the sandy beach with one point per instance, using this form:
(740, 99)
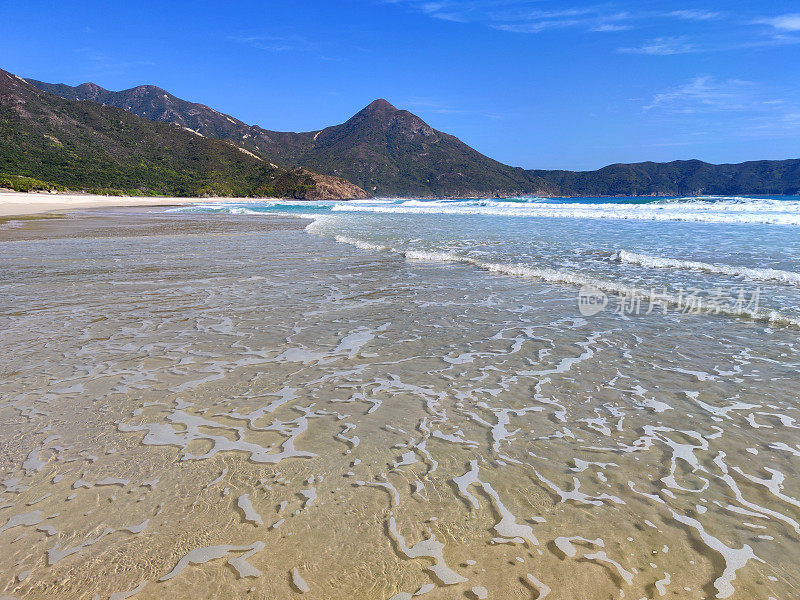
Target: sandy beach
(234, 405)
(20, 203)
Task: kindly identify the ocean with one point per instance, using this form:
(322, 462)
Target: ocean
(707, 253)
(502, 398)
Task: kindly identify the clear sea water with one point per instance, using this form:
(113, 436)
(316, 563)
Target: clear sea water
(737, 255)
(392, 399)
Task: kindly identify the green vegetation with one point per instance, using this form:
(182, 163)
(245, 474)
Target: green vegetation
(386, 151)
(392, 152)
(27, 184)
(89, 147)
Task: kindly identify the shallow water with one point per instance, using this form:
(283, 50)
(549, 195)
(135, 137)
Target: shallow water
(220, 405)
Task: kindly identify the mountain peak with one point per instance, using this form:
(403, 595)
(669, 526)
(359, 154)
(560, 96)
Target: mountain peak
(91, 86)
(148, 89)
(380, 105)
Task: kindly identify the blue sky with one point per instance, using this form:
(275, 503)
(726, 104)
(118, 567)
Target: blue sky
(534, 83)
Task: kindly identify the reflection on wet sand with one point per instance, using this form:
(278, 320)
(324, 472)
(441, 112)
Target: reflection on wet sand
(237, 409)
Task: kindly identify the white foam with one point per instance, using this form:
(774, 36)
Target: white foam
(734, 558)
(159, 434)
(575, 494)
(309, 496)
(430, 548)
(360, 244)
(722, 210)
(655, 262)
(680, 302)
(568, 549)
(129, 593)
(601, 556)
(208, 553)
(33, 463)
(464, 481)
(508, 530)
(661, 584)
(298, 582)
(250, 513)
(140, 528)
(542, 588)
(23, 520)
(387, 485)
(56, 554)
(480, 592)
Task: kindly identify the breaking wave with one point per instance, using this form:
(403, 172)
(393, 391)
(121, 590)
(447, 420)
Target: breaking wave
(701, 209)
(563, 277)
(656, 262)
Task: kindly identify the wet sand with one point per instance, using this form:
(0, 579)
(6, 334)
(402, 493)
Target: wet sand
(232, 408)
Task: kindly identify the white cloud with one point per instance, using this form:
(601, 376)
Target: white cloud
(728, 107)
(537, 26)
(694, 15)
(663, 46)
(273, 43)
(680, 31)
(790, 22)
(521, 16)
(612, 27)
(708, 94)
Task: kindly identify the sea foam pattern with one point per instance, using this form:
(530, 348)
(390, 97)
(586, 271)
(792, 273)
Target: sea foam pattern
(677, 301)
(656, 262)
(645, 247)
(705, 209)
(266, 413)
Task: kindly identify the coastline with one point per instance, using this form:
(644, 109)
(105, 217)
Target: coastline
(14, 204)
(26, 203)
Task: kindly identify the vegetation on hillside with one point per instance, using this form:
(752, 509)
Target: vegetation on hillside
(391, 152)
(88, 146)
(19, 183)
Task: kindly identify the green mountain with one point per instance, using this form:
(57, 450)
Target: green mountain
(153, 103)
(391, 152)
(387, 151)
(680, 178)
(87, 146)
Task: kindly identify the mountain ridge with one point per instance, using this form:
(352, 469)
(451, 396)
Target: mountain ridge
(85, 145)
(392, 152)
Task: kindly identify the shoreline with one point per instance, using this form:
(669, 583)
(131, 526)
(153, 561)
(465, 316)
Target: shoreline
(26, 203)
(136, 222)
(14, 204)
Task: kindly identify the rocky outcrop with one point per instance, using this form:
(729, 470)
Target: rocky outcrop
(327, 187)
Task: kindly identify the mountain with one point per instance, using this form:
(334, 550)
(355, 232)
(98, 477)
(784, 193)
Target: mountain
(391, 152)
(680, 178)
(153, 103)
(386, 151)
(87, 146)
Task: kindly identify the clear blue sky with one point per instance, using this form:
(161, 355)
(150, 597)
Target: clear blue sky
(539, 83)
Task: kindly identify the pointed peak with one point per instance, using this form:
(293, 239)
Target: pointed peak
(90, 91)
(147, 89)
(380, 105)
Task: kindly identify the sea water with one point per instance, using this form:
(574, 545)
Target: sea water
(400, 398)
